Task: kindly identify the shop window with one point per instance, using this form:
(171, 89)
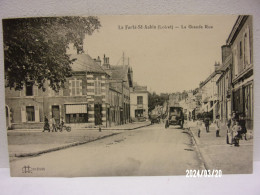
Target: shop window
(139, 113)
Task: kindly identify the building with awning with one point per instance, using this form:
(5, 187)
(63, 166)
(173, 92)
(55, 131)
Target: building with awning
(83, 100)
(209, 92)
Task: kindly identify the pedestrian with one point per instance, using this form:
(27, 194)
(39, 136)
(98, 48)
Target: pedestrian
(46, 124)
(53, 123)
(199, 126)
(242, 123)
(206, 122)
(61, 124)
(217, 125)
(236, 131)
(230, 124)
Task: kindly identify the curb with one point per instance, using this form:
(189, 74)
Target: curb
(201, 156)
(31, 154)
(116, 129)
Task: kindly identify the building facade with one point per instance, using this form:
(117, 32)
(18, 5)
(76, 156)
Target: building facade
(224, 84)
(241, 42)
(209, 93)
(139, 103)
(82, 102)
(119, 84)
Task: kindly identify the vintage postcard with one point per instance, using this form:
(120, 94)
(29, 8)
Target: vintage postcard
(129, 95)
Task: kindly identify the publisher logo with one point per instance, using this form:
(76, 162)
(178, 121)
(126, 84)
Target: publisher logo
(29, 169)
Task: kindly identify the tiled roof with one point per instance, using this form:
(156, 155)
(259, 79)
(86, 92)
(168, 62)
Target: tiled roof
(85, 63)
(118, 72)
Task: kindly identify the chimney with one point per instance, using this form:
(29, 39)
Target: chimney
(106, 64)
(226, 51)
(217, 65)
(98, 61)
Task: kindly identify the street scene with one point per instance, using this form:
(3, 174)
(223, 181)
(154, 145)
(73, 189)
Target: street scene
(129, 95)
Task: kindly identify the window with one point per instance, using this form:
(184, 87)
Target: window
(76, 87)
(139, 99)
(29, 89)
(30, 114)
(97, 87)
(139, 113)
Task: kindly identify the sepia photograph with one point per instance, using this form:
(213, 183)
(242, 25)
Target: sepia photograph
(129, 95)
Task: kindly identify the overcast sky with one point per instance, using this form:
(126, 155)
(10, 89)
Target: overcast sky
(166, 60)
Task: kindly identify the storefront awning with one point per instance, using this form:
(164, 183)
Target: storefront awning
(76, 108)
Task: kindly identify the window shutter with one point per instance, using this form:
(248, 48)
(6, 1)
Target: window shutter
(80, 87)
(35, 90)
(23, 114)
(22, 92)
(37, 113)
(61, 92)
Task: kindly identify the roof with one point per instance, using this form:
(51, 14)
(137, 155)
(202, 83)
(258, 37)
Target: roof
(118, 72)
(236, 28)
(85, 63)
(210, 77)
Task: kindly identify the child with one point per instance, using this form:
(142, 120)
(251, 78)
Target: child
(236, 131)
(242, 123)
(217, 124)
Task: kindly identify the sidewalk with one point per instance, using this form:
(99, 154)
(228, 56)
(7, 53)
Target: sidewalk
(23, 143)
(217, 154)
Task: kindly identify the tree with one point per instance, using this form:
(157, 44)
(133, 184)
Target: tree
(35, 49)
(155, 100)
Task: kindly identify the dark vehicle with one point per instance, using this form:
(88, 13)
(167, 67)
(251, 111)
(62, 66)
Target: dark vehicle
(175, 117)
(154, 118)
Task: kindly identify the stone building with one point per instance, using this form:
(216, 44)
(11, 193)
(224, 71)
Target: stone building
(240, 41)
(209, 93)
(224, 84)
(119, 84)
(139, 103)
(81, 103)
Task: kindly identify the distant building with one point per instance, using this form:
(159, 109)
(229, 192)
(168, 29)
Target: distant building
(224, 84)
(139, 103)
(209, 93)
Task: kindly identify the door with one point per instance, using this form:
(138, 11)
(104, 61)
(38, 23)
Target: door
(98, 114)
(56, 113)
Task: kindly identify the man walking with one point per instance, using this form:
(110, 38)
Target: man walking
(206, 122)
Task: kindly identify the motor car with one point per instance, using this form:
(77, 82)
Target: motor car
(175, 117)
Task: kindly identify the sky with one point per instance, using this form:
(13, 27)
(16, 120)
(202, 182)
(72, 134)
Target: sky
(167, 53)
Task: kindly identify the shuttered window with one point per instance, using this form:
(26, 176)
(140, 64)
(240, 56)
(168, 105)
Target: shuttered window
(97, 87)
(75, 87)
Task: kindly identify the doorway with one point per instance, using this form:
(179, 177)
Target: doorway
(98, 114)
(56, 113)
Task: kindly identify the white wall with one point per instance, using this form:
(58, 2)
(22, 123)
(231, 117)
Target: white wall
(133, 103)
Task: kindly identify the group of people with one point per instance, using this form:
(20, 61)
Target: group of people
(51, 125)
(206, 121)
(236, 127)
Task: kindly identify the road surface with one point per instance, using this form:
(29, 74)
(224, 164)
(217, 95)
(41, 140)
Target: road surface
(149, 151)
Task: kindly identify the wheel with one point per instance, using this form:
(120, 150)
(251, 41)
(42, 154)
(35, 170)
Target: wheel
(68, 129)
